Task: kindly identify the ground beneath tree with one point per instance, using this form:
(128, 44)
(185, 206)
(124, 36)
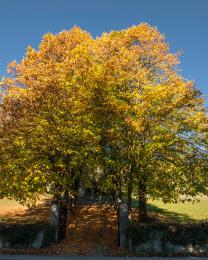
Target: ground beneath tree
(92, 230)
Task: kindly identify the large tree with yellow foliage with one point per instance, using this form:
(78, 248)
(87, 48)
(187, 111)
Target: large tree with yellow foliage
(154, 123)
(117, 99)
(47, 132)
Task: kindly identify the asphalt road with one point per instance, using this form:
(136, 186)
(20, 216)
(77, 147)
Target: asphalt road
(41, 257)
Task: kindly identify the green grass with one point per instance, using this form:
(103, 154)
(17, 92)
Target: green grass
(180, 212)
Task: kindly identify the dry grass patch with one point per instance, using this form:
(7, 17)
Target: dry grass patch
(12, 212)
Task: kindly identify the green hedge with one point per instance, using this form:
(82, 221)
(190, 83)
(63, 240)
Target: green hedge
(195, 234)
(25, 234)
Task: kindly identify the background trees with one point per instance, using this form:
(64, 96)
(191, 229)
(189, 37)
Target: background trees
(118, 101)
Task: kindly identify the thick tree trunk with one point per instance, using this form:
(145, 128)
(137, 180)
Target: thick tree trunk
(129, 198)
(58, 192)
(59, 212)
(76, 192)
(92, 194)
(63, 215)
(142, 203)
(66, 195)
(67, 199)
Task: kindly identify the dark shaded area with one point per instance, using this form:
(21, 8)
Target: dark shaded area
(23, 235)
(166, 234)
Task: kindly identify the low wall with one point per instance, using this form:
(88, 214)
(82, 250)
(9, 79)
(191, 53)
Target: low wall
(26, 235)
(166, 239)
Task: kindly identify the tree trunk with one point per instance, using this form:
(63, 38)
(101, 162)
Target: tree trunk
(76, 192)
(66, 195)
(142, 203)
(59, 212)
(129, 198)
(67, 198)
(58, 192)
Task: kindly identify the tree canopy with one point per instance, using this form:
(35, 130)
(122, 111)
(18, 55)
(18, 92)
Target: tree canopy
(117, 103)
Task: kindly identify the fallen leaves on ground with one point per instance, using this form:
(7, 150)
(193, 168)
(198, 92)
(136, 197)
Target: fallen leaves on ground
(92, 230)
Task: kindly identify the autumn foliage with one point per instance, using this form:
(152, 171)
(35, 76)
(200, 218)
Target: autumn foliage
(114, 109)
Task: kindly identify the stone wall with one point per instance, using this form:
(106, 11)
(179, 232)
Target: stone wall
(36, 235)
(166, 239)
(26, 235)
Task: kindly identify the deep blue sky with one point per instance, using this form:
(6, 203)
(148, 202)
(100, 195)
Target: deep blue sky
(184, 22)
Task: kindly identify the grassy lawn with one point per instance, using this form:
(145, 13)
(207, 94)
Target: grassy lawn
(187, 210)
(180, 212)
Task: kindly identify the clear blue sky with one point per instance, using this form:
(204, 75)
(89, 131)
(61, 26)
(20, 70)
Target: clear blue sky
(184, 22)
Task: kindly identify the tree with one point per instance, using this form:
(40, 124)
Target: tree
(154, 123)
(46, 131)
(118, 100)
